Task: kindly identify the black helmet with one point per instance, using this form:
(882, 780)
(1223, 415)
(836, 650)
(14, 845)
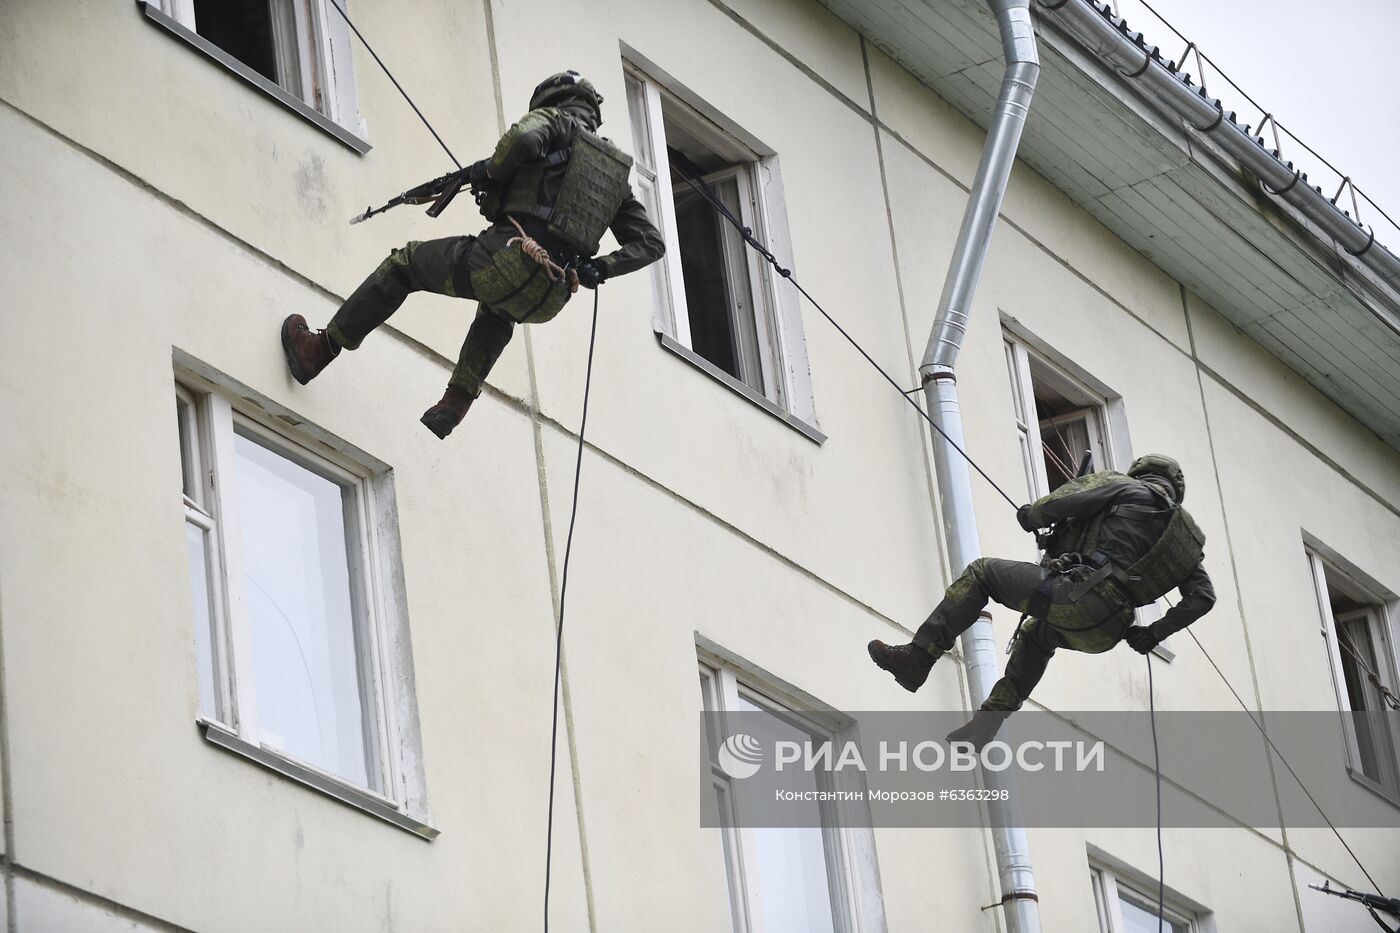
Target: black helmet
(1163, 466)
(566, 85)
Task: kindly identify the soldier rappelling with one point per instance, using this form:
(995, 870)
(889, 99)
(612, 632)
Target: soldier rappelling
(551, 189)
(1115, 542)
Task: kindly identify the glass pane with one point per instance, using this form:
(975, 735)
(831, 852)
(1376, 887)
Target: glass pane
(184, 417)
(1369, 722)
(1137, 919)
(300, 610)
(729, 835)
(1018, 401)
(702, 270)
(1065, 439)
(641, 136)
(792, 875)
(197, 547)
(242, 28)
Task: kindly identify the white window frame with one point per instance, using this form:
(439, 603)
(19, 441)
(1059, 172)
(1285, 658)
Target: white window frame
(1378, 614)
(395, 790)
(784, 379)
(1108, 890)
(852, 876)
(1019, 358)
(312, 46)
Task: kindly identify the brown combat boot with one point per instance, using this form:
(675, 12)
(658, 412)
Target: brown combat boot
(909, 664)
(449, 412)
(308, 352)
(981, 728)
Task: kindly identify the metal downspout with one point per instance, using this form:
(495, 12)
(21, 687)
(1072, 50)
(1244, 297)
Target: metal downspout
(941, 393)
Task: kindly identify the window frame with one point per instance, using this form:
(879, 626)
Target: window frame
(783, 386)
(853, 883)
(326, 96)
(1108, 886)
(1019, 357)
(1381, 622)
(394, 789)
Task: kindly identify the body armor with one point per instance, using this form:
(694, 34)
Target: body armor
(1167, 563)
(594, 185)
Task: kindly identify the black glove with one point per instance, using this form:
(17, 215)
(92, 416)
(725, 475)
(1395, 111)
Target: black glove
(1141, 638)
(1023, 515)
(477, 174)
(591, 273)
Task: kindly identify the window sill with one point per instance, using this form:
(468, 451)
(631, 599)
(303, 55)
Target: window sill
(219, 56)
(734, 385)
(348, 794)
(1389, 796)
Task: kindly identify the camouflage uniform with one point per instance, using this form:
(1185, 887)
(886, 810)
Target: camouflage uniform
(467, 266)
(1069, 611)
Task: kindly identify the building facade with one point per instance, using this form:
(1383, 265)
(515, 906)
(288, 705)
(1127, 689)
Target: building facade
(276, 658)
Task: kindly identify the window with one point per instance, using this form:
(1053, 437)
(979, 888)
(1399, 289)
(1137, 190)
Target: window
(293, 626)
(717, 298)
(786, 880)
(1357, 633)
(298, 50)
(1124, 908)
(1058, 419)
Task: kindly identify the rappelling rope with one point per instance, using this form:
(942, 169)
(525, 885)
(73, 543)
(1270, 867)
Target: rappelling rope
(559, 631)
(336, 5)
(1157, 768)
(535, 250)
(692, 173)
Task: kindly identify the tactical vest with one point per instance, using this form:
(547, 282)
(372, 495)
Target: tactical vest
(1168, 563)
(1165, 565)
(594, 186)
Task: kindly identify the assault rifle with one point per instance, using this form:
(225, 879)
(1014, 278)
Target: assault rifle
(440, 191)
(1372, 903)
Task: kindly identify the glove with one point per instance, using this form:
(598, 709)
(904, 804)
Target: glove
(1023, 515)
(591, 273)
(478, 174)
(1141, 638)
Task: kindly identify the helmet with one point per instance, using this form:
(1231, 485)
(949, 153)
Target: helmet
(566, 85)
(1163, 466)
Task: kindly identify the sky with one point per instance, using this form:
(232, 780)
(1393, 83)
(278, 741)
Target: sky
(1327, 70)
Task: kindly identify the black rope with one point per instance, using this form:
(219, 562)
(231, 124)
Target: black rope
(692, 173)
(1330, 825)
(335, 4)
(559, 631)
(1157, 767)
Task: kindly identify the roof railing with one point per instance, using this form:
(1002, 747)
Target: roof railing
(1298, 150)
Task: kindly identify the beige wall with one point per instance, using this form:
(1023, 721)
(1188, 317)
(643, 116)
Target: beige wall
(153, 202)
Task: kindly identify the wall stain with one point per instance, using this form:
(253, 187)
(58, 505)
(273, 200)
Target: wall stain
(312, 187)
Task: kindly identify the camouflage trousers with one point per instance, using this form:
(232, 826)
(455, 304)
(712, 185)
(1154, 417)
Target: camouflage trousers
(1091, 623)
(438, 266)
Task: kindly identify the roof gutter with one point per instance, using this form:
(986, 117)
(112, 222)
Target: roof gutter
(940, 386)
(1108, 36)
